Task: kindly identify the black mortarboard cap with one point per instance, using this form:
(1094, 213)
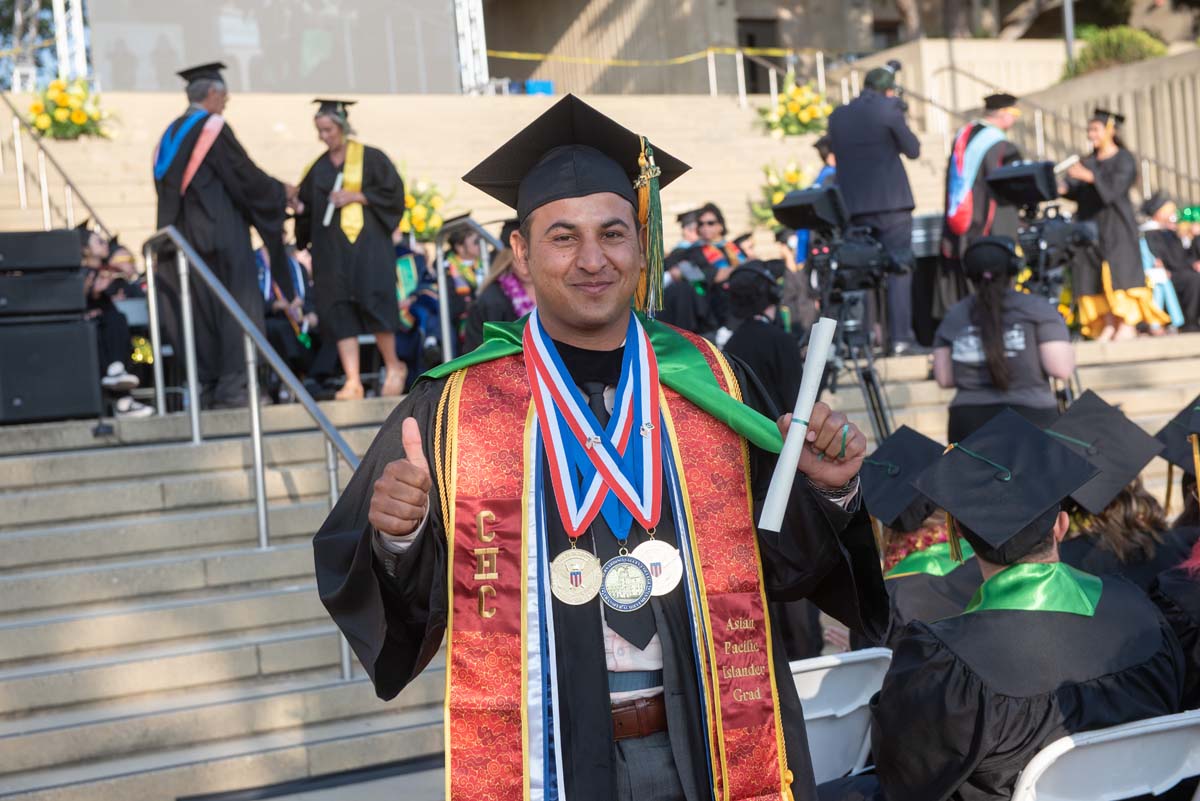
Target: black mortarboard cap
(1105, 116)
(1005, 484)
(1113, 443)
(327, 105)
(688, 217)
(998, 101)
(887, 476)
(1152, 204)
(210, 71)
(571, 150)
(1175, 435)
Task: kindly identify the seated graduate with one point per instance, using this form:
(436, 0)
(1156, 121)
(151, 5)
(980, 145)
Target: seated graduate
(1042, 651)
(1181, 263)
(924, 580)
(1119, 527)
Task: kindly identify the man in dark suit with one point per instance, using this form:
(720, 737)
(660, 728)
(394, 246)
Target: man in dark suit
(868, 135)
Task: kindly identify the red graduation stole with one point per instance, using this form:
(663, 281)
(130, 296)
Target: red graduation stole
(486, 505)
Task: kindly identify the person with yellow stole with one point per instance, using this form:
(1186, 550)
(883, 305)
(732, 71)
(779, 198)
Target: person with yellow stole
(571, 507)
(351, 199)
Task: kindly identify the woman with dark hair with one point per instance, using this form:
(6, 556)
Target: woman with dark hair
(999, 347)
(350, 201)
(1109, 282)
(505, 295)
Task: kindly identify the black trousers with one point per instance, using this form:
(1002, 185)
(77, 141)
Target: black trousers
(894, 230)
(112, 336)
(965, 420)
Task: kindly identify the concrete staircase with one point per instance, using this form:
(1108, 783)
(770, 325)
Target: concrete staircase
(149, 650)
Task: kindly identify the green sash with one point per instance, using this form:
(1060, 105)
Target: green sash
(1039, 587)
(934, 560)
(680, 366)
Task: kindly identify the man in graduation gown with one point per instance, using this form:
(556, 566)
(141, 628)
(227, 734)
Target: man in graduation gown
(211, 191)
(1167, 248)
(972, 210)
(552, 691)
(1041, 652)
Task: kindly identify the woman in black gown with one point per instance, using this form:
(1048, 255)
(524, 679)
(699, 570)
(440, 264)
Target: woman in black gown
(354, 264)
(1109, 283)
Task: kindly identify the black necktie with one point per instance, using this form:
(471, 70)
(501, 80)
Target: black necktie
(636, 627)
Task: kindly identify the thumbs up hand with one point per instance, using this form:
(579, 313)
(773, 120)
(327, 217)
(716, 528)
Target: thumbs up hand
(401, 494)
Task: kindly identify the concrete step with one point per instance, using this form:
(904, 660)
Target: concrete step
(155, 534)
(135, 672)
(219, 612)
(153, 579)
(239, 762)
(144, 725)
(77, 434)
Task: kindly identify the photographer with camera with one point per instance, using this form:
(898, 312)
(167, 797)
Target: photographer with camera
(1000, 347)
(868, 136)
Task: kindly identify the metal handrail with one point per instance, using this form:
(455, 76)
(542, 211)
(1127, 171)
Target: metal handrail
(439, 243)
(70, 190)
(255, 342)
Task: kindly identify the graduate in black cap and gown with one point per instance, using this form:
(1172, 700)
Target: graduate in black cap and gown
(928, 582)
(551, 688)
(354, 261)
(1119, 528)
(1179, 262)
(1042, 651)
(972, 210)
(1108, 281)
(212, 192)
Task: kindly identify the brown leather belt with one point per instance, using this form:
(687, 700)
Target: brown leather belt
(639, 718)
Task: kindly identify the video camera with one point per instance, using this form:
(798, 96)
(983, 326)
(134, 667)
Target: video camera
(1049, 239)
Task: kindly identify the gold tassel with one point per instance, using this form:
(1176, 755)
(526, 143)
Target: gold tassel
(649, 294)
(1195, 440)
(1170, 488)
(952, 538)
(877, 529)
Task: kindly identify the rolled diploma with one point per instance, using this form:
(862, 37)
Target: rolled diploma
(819, 342)
(337, 187)
(1066, 164)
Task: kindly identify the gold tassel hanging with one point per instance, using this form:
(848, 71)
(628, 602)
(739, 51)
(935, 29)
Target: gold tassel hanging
(952, 538)
(1195, 440)
(1170, 488)
(877, 529)
(649, 294)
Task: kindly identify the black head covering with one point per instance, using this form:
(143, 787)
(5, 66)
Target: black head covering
(752, 287)
(572, 150)
(1175, 435)
(1108, 439)
(331, 106)
(1105, 116)
(1152, 204)
(506, 231)
(688, 218)
(998, 101)
(887, 476)
(202, 72)
(1005, 485)
(880, 79)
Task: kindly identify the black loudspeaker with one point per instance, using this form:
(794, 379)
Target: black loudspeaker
(48, 292)
(50, 369)
(40, 250)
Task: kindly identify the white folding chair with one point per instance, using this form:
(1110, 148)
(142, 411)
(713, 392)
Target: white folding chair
(835, 691)
(1146, 756)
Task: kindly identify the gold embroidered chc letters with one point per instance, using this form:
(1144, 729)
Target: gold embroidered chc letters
(486, 562)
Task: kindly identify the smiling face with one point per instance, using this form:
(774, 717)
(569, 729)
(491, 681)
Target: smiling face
(583, 258)
(329, 132)
(710, 227)
(1098, 135)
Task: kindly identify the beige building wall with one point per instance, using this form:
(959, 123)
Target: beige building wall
(619, 29)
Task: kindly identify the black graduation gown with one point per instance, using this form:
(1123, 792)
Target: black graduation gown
(1166, 246)
(1177, 594)
(1086, 554)
(989, 217)
(928, 598)
(492, 306)
(395, 617)
(355, 282)
(969, 700)
(1106, 203)
(227, 195)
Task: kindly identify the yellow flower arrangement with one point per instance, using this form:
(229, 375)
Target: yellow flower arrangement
(67, 110)
(422, 204)
(778, 183)
(798, 109)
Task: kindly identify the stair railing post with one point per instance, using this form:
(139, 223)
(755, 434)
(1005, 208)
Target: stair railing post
(69, 205)
(42, 187)
(712, 74)
(739, 62)
(1039, 129)
(256, 442)
(821, 72)
(160, 392)
(773, 83)
(19, 157)
(331, 469)
(189, 345)
(443, 289)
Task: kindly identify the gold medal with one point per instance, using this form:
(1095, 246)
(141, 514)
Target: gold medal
(575, 576)
(626, 584)
(664, 563)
